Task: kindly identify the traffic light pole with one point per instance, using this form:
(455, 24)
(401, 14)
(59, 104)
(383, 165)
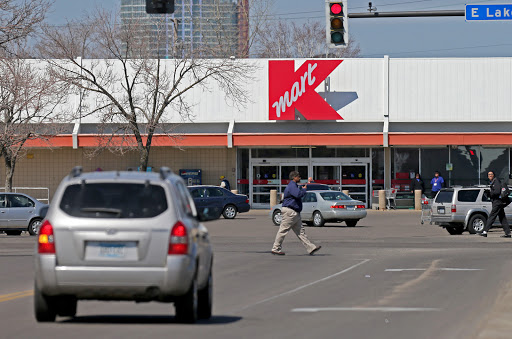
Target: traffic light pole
(407, 14)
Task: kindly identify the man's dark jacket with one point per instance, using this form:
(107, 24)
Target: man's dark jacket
(417, 185)
(293, 196)
(496, 190)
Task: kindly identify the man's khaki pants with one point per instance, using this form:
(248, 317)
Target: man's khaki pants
(291, 219)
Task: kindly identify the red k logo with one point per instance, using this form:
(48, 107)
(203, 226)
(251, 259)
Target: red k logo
(290, 90)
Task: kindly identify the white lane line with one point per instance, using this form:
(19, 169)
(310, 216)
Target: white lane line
(436, 269)
(367, 309)
(307, 285)
(460, 269)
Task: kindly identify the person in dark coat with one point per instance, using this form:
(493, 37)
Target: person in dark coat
(498, 207)
(417, 184)
(290, 212)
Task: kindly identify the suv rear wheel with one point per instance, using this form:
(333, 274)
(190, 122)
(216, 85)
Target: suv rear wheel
(476, 223)
(45, 307)
(186, 306)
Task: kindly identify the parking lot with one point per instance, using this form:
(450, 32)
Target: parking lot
(389, 277)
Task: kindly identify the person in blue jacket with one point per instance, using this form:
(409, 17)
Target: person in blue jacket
(437, 183)
(290, 212)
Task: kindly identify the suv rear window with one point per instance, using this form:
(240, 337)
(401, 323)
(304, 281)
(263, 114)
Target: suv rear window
(444, 197)
(116, 200)
(468, 195)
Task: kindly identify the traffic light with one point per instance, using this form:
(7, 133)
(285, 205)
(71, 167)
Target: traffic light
(159, 6)
(336, 23)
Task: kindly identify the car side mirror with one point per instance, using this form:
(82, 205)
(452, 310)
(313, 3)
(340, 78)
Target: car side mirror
(208, 213)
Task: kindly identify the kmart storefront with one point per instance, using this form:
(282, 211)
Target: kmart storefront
(356, 124)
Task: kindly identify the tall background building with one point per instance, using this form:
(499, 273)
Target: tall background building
(205, 28)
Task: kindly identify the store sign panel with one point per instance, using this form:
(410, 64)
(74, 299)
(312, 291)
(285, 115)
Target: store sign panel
(291, 90)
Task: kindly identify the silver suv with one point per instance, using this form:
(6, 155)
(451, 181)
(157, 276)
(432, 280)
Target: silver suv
(123, 236)
(464, 208)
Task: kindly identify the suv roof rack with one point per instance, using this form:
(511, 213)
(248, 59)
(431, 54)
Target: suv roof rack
(76, 172)
(165, 172)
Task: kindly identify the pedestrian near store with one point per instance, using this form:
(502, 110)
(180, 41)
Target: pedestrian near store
(437, 183)
(310, 180)
(290, 212)
(417, 184)
(225, 183)
(498, 206)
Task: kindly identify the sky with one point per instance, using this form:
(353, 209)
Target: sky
(397, 37)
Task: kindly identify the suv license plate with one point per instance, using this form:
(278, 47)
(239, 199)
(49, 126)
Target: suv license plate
(112, 250)
(440, 210)
(104, 250)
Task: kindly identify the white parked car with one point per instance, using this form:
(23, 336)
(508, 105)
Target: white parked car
(319, 207)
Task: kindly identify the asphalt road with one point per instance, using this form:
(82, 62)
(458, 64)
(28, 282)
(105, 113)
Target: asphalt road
(389, 277)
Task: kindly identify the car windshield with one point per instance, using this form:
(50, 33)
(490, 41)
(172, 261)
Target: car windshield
(444, 197)
(116, 200)
(334, 196)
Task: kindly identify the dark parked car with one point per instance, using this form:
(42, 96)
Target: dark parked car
(229, 204)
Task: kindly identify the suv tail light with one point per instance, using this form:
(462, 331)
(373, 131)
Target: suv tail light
(246, 201)
(46, 240)
(454, 208)
(178, 241)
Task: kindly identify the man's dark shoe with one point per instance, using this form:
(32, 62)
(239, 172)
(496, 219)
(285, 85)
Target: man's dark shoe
(315, 250)
(483, 235)
(277, 252)
(505, 236)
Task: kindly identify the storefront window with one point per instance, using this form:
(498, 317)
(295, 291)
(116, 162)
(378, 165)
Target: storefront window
(465, 162)
(405, 165)
(351, 152)
(378, 169)
(243, 171)
(323, 152)
(494, 159)
(299, 152)
(432, 160)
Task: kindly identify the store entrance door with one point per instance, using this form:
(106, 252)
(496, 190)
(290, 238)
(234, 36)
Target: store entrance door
(264, 178)
(272, 176)
(354, 178)
(328, 174)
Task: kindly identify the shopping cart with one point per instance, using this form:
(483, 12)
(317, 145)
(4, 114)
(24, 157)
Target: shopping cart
(426, 210)
(391, 198)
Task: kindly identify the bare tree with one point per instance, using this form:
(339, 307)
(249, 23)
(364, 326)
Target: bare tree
(253, 17)
(18, 19)
(134, 93)
(285, 40)
(29, 99)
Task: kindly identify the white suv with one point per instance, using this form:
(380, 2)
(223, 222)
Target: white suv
(123, 236)
(464, 208)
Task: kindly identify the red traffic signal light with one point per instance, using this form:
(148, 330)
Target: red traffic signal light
(336, 8)
(336, 23)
